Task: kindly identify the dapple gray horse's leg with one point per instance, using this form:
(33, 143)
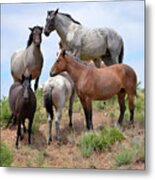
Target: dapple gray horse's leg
(71, 107)
(57, 123)
(49, 128)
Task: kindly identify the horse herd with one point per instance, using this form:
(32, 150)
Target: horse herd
(70, 73)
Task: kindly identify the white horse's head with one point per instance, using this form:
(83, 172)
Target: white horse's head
(50, 22)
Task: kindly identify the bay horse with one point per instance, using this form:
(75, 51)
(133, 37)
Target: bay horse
(30, 58)
(93, 83)
(56, 91)
(22, 103)
(85, 43)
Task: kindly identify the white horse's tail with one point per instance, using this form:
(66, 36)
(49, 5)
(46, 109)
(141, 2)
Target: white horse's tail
(121, 55)
(48, 103)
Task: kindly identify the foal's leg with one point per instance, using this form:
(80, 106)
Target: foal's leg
(36, 83)
(71, 107)
(57, 123)
(131, 107)
(121, 100)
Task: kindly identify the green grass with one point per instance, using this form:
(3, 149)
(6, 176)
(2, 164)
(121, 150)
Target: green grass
(6, 156)
(124, 157)
(40, 114)
(99, 141)
(5, 111)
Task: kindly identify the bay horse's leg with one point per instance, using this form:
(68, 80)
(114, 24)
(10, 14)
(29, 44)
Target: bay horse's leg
(18, 132)
(11, 120)
(57, 123)
(131, 107)
(121, 100)
(87, 107)
(50, 119)
(71, 107)
(29, 130)
(36, 83)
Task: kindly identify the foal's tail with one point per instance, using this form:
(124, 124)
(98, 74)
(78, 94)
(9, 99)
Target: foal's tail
(48, 104)
(121, 54)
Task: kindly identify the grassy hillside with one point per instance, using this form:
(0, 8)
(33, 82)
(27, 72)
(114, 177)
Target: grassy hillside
(107, 147)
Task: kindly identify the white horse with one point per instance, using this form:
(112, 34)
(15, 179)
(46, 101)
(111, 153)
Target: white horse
(30, 58)
(56, 91)
(83, 42)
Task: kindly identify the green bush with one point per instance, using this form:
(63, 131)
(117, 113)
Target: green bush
(5, 111)
(124, 157)
(99, 141)
(6, 156)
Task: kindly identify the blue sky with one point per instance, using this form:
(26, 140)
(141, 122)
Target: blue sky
(126, 17)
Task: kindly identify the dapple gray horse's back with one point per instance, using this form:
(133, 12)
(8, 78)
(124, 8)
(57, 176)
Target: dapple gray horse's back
(86, 43)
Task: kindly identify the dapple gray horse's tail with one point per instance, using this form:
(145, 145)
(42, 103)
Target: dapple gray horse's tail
(48, 104)
(121, 55)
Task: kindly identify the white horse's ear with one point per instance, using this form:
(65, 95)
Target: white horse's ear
(31, 29)
(56, 11)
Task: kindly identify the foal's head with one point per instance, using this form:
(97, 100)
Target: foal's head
(35, 36)
(60, 64)
(26, 83)
(50, 22)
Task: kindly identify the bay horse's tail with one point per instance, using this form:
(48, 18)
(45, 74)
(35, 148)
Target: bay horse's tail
(121, 55)
(48, 104)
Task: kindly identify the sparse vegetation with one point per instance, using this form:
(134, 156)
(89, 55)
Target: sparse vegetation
(106, 147)
(99, 141)
(5, 111)
(6, 156)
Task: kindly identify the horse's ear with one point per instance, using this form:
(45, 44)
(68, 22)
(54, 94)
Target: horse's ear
(63, 52)
(48, 12)
(31, 29)
(56, 11)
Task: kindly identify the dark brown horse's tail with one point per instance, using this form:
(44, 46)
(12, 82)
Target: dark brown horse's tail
(48, 104)
(121, 55)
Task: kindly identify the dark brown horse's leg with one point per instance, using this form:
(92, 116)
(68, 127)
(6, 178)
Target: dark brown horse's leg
(29, 131)
(70, 108)
(87, 106)
(18, 131)
(131, 107)
(121, 100)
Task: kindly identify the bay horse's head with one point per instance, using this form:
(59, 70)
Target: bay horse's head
(60, 64)
(35, 35)
(50, 22)
(26, 83)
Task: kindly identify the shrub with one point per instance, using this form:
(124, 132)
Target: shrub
(6, 156)
(99, 141)
(124, 157)
(5, 111)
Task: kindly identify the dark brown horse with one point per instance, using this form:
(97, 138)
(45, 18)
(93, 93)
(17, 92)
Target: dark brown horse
(22, 104)
(93, 83)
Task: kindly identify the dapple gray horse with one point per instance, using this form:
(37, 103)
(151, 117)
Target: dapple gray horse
(56, 91)
(83, 42)
(30, 58)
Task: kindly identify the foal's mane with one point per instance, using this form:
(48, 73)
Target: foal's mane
(70, 17)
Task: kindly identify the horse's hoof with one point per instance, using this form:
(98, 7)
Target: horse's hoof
(49, 141)
(70, 125)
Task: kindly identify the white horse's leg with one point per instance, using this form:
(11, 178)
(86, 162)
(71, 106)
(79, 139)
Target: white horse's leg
(49, 128)
(57, 123)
